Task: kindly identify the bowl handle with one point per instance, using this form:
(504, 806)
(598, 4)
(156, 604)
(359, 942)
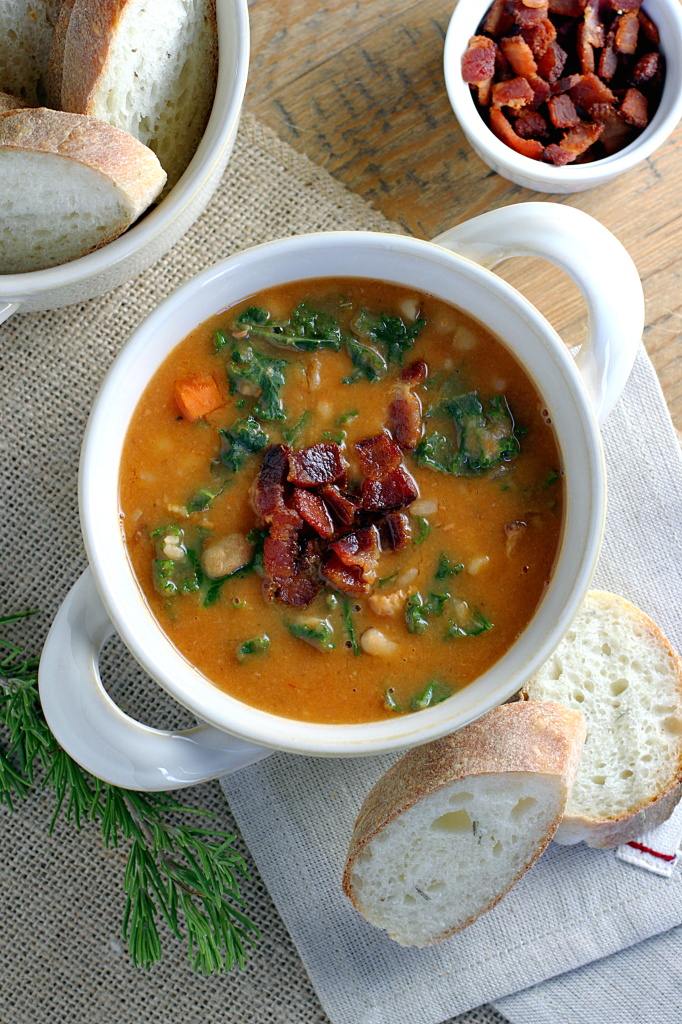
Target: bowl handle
(97, 734)
(593, 258)
(6, 310)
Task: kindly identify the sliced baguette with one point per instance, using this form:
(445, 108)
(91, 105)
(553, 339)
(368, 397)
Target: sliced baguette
(8, 102)
(92, 181)
(26, 28)
(448, 830)
(616, 667)
(148, 67)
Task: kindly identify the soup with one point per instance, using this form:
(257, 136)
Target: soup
(342, 500)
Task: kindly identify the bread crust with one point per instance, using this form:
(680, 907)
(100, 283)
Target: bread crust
(539, 737)
(112, 152)
(55, 67)
(606, 833)
(8, 102)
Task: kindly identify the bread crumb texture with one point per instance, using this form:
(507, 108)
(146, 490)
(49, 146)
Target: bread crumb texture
(437, 866)
(616, 667)
(26, 28)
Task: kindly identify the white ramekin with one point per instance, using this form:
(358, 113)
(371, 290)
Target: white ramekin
(147, 241)
(534, 174)
(84, 719)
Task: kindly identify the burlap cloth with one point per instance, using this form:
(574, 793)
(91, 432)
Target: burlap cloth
(61, 896)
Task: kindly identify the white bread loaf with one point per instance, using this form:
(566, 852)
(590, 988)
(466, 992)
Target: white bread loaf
(148, 67)
(70, 184)
(448, 830)
(8, 102)
(26, 28)
(615, 666)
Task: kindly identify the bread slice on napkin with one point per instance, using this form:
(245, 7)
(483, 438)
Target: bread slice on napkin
(91, 181)
(448, 830)
(148, 67)
(616, 667)
(26, 28)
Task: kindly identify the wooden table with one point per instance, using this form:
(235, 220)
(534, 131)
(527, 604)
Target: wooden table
(358, 86)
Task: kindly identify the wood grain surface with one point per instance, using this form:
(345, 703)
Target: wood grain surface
(358, 86)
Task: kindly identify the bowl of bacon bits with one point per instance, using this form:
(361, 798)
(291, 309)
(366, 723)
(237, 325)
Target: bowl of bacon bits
(563, 95)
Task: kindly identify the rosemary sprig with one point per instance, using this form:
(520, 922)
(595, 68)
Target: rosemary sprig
(175, 870)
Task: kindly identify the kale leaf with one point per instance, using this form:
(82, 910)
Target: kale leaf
(486, 438)
(475, 623)
(318, 632)
(414, 614)
(291, 435)
(435, 693)
(445, 569)
(435, 451)
(242, 439)
(350, 628)
(260, 377)
(306, 330)
(367, 360)
(255, 646)
(391, 332)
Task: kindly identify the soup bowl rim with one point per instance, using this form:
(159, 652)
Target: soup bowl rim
(125, 602)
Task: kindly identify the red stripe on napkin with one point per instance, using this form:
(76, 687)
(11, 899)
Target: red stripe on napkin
(654, 853)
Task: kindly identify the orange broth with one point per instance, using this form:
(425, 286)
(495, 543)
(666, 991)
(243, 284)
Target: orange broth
(504, 572)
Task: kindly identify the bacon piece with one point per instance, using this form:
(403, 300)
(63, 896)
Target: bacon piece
(520, 56)
(590, 90)
(627, 32)
(585, 51)
(634, 108)
(485, 91)
(566, 8)
(647, 69)
(478, 60)
(608, 62)
(535, 3)
(565, 84)
(360, 549)
(648, 28)
(505, 133)
(542, 90)
(406, 417)
(313, 510)
(498, 21)
(515, 93)
(594, 33)
(531, 125)
(267, 490)
(299, 592)
(318, 464)
(562, 112)
(526, 16)
(397, 491)
(280, 550)
(415, 373)
(397, 530)
(343, 506)
(551, 63)
(379, 456)
(625, 5)
(617, 133)
(539, 37)
(574, 143)
(345, 577)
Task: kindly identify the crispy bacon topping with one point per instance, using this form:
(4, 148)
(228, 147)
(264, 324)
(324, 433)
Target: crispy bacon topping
(616, 132)
(299, 592)
(345, 577)
(562, 111)
(595, 33)
(526, 16)
(627, 32)
(520, 56)
(515, 93)
(565, 84)
(539, 38)
(280, 551)
(498, 21)
(267, 490)
(505, 133)
(648, 28)
(313, 510)
(478, 60)
(406, 417)
(608, 62)
(566, 8)
(531, 125)
(415, 373)
(342, 506)
(634, 108)
(551, 63)
(318, 464)
(647, 68)
(397, 530)
(360, 549)
(379, 456)
(575, 142)
(397, 491)
(590, 90)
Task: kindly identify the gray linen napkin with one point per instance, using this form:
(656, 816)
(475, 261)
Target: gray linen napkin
(576, 905)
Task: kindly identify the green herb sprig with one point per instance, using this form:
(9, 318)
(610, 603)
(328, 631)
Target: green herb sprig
(187, 875)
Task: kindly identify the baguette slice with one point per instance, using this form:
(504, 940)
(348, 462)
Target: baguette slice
(148, 67)
(26, 28)
(616, 667)
(69, 184)
(8, 102)
(448, 830)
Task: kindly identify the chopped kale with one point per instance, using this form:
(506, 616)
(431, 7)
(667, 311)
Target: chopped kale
(204, 497)
(242, 439)
(175, 576)
(255, 646)
(318, 632)
(424, 529)
(337, 436)
(350, 629)
(259, 376)
(435, 693)
(551, 479)
(486, 438)
(435, 451)
(445, 569)
(220, 340)
(367, 360)
(414, 614)
(292, 434)
(347, 416)
(390, 701)
(306, 330)
(386, 579)
(331, 600)
(257, 537)
(475, 623)
(391, 332)
(435, 603)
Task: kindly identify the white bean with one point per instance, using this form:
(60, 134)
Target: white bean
(406, 577)
(374, 642)
(313, 374)
(423, 507)
(226, 556)
(387, 604)
(477, 564)
(410, 309)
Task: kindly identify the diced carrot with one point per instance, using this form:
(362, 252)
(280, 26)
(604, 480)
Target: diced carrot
(505, 133)
(196, 396)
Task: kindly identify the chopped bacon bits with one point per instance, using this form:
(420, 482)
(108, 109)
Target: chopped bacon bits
(415, 373)
(360, 549)
(478, 61)
(313, 510)
(606, 51)
(379, 456)
(299, 592)
(397, 530)
(406, 418)
(318, 464)
(267, 490)
(505, 133)
(280, 550)
(342, 506)
(196, 396)
(562, 112)
(634, 108)
(397, 491)
(346, 577)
